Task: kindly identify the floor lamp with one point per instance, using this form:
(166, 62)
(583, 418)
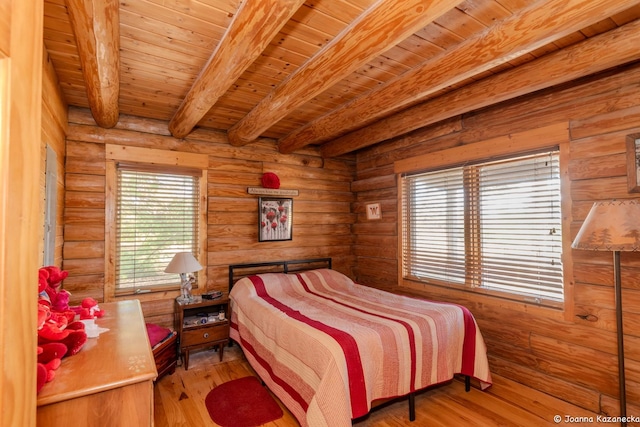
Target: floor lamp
(613, 226)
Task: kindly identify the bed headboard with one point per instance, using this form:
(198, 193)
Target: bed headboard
(238, 271)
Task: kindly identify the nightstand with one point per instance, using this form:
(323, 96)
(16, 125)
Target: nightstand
(199, 325)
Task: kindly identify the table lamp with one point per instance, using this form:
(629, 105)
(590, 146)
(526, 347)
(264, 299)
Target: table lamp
(184, 263)
(613, 226)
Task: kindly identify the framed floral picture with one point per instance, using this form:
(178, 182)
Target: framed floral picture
(275, 219)
(633, 163)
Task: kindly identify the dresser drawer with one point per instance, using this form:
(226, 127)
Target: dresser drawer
(204, 335)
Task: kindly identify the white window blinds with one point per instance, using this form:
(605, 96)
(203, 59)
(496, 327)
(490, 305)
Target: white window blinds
(434, 238)
(494, 227)
(157, 216)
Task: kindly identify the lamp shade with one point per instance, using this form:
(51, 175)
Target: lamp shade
(611, 226)
(183, 262)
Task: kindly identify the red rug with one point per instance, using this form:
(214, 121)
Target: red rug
(242, 403)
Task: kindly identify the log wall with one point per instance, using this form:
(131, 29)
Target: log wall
(322, 217)
(574, 356)
(54, 126)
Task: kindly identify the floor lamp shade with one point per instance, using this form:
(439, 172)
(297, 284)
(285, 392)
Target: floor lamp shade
(613, 226)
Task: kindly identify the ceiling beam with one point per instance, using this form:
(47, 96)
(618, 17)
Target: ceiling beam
(377, 29)
(96, 26)
(530, 28)
(254, 26)
(593, 55)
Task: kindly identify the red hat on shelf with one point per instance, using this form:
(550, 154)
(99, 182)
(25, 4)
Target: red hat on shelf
(270, 180)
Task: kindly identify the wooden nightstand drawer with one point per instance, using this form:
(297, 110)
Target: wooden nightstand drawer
(204, 335)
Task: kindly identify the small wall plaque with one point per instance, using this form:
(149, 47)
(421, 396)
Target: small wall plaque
(374, 211)
(261, 191)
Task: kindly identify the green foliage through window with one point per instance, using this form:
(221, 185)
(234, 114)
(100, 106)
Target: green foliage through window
(157, 216)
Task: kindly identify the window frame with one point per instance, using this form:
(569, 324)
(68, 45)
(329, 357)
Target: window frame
(465, 180)
(547, 137)
(162, 161)
(50, 206)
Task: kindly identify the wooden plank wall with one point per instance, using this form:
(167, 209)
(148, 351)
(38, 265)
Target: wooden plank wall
(5, 28)
(574, 359)
(20, 120)
(322, 217)
(54, 126)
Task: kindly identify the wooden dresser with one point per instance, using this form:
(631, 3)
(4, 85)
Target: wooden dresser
(110, 381)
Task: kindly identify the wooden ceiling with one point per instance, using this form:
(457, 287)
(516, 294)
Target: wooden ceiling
(342, 74)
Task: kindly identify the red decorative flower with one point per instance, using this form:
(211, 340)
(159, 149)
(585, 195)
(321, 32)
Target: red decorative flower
(283, 219)
(270, 180)
(271, 215)
(274, 224)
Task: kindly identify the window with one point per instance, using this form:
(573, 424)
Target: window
(493, 227)
(153, 211)
(50, 206)
(157, 216)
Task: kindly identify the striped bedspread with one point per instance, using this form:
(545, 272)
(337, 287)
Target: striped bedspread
(328, 347)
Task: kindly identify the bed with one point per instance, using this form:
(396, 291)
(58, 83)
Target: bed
(329, 348)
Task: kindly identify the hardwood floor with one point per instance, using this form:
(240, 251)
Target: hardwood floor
(179, 400)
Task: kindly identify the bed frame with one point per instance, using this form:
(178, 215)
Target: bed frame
(238, 271)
